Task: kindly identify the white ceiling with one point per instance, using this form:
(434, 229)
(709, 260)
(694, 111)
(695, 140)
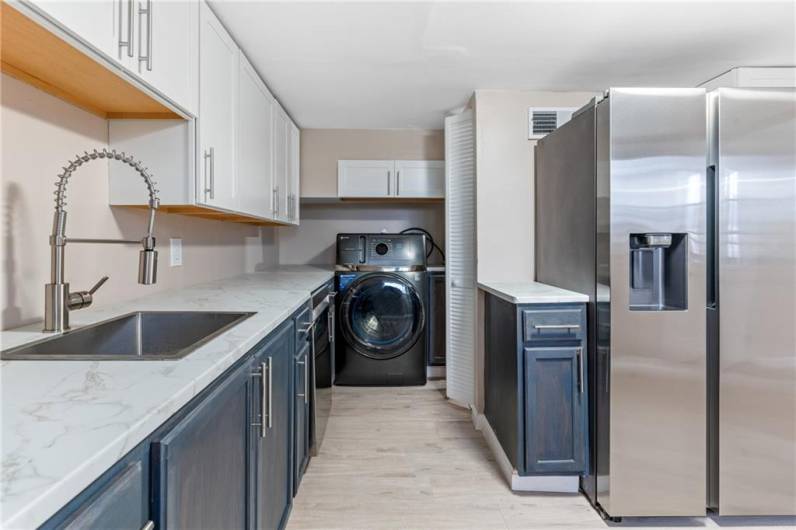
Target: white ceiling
(397, 65)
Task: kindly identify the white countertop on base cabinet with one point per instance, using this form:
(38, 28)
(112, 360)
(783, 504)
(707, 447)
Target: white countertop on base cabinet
(532, 293)
(64, 423)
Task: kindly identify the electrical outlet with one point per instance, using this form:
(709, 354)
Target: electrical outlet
(175, 252)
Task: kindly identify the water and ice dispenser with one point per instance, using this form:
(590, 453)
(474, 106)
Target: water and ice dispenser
(658, 272)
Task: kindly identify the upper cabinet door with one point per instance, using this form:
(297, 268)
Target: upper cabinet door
(217, 107)
(166, 49)
(365, 178)
(420, 178)
(294, 139)
(281, 177)
(254, 143)
(96, 23)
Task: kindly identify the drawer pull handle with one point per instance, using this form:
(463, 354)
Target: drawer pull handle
(556, 326)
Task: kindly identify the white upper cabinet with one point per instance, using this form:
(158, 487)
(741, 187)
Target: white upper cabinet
(217, 110)
(294, 156)
(281, 178)
(365, 178)
(424, 179)
(93, 22)
(240, 156)
(167, 49)
(255, 143)
(420, 178)
(156, 41)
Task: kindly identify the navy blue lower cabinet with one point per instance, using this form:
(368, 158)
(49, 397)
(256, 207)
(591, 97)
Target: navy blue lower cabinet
(435, 330)
(200, 464)
(301, 415)
(555, 410)
(536, 395)
(228, 459)
(118, 499)
(272, 435)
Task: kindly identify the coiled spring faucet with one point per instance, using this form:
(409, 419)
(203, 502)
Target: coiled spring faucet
(58, 301)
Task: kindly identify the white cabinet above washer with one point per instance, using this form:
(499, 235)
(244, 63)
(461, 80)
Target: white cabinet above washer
(391, 179)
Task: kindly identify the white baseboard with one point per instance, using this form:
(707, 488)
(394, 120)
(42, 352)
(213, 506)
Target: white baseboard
(540, 483)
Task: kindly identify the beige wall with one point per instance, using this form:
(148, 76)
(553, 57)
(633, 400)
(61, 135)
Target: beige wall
(313, 242)
(322, 148)
(39, 134)
(504, 168)
(504, 193)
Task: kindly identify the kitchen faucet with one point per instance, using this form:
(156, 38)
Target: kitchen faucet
(58, 301)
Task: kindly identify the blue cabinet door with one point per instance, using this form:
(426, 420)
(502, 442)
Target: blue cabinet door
(273, 437)
(200, 464)
(119, 499)
(555, 410)
(301, 416)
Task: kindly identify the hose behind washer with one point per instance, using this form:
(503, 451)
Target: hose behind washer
(429, 239)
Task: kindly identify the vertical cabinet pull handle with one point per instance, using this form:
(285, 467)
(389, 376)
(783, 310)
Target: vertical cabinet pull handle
(148, 12)
(304, 394)
(306, 381)
(580, 369)
(129, 42)
(210, 157)
(389, 173)
(397, 182)
(270, 392)
(265, 402)
(265, 398)
(330, 324)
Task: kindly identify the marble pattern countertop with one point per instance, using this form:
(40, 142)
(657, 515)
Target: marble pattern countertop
(66, 422)
(532, 293)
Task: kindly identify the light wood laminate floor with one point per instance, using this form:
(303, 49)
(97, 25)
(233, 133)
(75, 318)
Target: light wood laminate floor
(405, 458)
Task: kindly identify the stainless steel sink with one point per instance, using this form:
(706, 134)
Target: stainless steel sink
(143, 335)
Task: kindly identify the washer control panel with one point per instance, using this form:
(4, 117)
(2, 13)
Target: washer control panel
(396, 250)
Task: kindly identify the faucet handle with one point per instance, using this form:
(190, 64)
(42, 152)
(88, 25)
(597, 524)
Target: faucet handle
(82, 299)
(98, 285)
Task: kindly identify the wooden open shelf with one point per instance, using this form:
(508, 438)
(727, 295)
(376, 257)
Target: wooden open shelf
(34, 55)
(208, 213)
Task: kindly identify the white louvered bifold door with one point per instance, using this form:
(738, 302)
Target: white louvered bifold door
(460, 257)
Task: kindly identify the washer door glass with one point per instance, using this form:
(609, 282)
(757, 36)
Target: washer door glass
(382, 315)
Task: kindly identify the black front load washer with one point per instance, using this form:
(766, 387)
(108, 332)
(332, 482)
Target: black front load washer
(381, 317)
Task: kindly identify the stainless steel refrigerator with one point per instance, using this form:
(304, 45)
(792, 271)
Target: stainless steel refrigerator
(752, 301)
(621, 216)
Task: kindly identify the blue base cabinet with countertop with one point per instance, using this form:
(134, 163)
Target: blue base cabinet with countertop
(272, 486)
(231, 458)
(535, 384)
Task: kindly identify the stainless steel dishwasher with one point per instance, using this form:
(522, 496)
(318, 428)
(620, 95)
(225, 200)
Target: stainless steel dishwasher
(322, 363)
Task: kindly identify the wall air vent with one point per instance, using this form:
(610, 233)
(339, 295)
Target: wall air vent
(542, 121)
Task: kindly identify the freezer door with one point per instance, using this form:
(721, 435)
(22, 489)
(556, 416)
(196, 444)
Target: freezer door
(656, 363)
(756, 181)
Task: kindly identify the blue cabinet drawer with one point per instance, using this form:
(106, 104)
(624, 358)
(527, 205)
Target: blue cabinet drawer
(554, 322)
